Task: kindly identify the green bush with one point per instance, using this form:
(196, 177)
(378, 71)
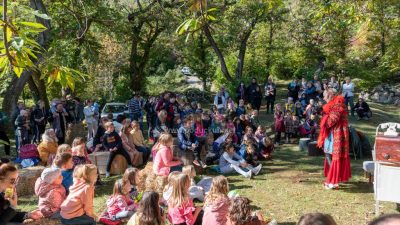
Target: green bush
(173, 81)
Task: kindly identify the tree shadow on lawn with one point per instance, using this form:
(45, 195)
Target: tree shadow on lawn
(287, 223)
(357, 187)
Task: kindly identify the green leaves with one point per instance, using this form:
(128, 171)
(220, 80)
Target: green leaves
(64, 75)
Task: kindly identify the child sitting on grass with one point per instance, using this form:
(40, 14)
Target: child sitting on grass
(64, 162)
(149, 211)
(119, 205)
(79, 153)
(196, 191)
(266, 147)
(51, 193)
(259, 134)
(216, 205)
(132, 176)
(240, 213)
(180, 206)
(230, 161)
(249, 154)
(77, 209)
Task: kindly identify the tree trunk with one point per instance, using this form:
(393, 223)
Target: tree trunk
(269, 48)
(217, 51)
(41, 86)
(34, 89)
(242, 54)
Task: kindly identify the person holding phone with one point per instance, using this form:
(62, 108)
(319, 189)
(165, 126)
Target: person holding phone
(9, 197)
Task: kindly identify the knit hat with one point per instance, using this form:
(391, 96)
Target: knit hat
(49, 175)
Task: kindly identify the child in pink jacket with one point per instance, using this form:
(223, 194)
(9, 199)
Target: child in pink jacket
(119, 205)
(78, 207)
(51, 193)
(164, 160)
(216, 205)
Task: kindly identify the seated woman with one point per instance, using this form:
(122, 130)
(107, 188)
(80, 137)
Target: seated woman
(48, 147)
(8, 200)
(362, 109)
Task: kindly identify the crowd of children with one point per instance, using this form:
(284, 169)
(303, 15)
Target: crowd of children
(229, 134)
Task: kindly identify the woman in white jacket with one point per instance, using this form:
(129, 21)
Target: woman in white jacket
(91, 119)
(220, 102)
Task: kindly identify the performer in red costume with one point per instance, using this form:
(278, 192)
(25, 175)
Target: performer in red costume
(334, 138)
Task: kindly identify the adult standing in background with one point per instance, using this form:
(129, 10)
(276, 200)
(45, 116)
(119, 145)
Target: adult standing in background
(59, 121)
(224, 92)
(256, 99)
(347, 92)
(220, 102)
(39, 117)
(3, 134)
(241, 92)
(293, 89)
(70, 106)
(334, 139)
(251, 90)
(90, 118)
(270, 94)
(20, 106)
(333, 83)
(135, 108)
(22, 131)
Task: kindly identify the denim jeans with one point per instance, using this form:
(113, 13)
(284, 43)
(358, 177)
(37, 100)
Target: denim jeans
(350, 100)
(145, 151)
(81, 220)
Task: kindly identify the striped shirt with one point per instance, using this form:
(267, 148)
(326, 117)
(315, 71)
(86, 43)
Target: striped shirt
(134, 106)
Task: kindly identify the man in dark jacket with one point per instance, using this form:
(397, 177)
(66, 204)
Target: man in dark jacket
(252, 89)
(39, 117)
(241, 92)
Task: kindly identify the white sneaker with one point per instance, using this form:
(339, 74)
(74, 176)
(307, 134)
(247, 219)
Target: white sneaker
(210, 155)
(257, 169)
(249, 174)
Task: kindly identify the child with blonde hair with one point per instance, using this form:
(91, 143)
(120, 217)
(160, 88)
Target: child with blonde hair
(164, 160)
(180, 206)
(259, 134)
(216, 205)
(197, 191)
(78, 207)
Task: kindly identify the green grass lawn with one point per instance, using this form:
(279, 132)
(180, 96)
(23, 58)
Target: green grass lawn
(291, 184)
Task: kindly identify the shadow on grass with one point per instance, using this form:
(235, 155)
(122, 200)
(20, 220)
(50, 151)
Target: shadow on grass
(287, 223)
(357, 187)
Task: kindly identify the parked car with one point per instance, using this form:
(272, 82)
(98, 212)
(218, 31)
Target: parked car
(115, 108)
(186, 71)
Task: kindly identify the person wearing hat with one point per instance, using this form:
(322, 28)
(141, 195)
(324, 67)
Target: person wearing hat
(50, 191)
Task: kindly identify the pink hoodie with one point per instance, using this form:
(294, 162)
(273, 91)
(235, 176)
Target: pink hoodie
(51, 196)
(164, 161)
(79, 200)
(216, 213)
(117, 204)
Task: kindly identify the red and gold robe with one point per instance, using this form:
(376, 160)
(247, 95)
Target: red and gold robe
(335, 121)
